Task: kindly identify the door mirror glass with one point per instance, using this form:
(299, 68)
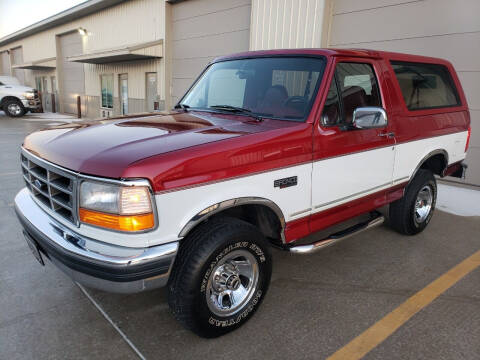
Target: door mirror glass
(369, 118)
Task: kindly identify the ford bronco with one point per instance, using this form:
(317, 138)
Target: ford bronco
(267, 148)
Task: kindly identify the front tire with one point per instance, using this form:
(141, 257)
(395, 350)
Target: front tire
(411, 214)
(14, 108)
(220, 277)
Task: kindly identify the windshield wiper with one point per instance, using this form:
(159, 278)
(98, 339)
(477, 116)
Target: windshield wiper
(237, 109)
(182, 106)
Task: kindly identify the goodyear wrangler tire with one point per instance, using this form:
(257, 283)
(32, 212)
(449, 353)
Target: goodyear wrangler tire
(220, 276)
(412, 213)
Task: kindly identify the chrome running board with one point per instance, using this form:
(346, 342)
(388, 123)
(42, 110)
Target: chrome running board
(376, 220)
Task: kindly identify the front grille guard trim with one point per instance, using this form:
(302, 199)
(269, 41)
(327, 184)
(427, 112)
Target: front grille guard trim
(56, 188)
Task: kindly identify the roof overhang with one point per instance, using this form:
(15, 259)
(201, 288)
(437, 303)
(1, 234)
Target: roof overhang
(74, 13)
(44, 64)
(150, 50)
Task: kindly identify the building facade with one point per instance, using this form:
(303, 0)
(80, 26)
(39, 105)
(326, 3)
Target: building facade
(124, 57)
(110, 53)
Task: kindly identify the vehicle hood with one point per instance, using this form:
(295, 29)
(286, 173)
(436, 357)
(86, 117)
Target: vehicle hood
(108, 147)
(18, 89)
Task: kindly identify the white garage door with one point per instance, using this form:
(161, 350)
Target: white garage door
(440, 28)
(17, 59)
(203, 30)
(73, 79)
(4, 63)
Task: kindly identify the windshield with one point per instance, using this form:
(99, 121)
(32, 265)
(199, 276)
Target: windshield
(276, 87)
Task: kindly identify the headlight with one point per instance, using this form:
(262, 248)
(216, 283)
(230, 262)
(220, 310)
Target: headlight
(29, 95)
(124, 208)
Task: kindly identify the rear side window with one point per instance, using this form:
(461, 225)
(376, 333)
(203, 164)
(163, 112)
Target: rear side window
(425, 86)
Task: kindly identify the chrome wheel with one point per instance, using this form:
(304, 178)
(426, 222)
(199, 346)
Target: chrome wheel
(14, 109)
(232, 283)
(423, 204)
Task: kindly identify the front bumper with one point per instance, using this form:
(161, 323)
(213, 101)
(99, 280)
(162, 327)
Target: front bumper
(33, 104)
(91, 262)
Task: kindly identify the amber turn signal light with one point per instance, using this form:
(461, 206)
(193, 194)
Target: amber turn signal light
(117, 222)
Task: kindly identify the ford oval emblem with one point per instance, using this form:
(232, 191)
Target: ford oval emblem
(38, 183)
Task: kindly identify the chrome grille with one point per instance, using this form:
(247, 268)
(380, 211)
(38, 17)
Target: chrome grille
(52, 186)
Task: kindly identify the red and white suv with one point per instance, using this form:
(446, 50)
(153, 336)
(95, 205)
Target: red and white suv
(264, 149)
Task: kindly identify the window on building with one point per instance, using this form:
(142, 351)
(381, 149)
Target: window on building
(353, 86)
(152, 91)
(107, 90)
(38, 84)
(54, 84)
(45, 84)
(425, 86)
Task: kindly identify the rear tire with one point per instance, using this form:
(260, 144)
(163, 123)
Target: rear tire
(411, 214)
(14, 108)
(220, 276)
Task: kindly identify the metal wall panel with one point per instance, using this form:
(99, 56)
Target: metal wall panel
(439, 28)
(129, 23)
(348, 6)
(203, 30)
(280, 24)
(4, 63)
(72, 81)
(16, 56)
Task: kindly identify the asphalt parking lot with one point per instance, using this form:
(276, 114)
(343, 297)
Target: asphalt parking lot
(315, 306)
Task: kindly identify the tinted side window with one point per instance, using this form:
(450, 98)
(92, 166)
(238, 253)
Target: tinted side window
(331, 110)
(357, 87)
(425, 86)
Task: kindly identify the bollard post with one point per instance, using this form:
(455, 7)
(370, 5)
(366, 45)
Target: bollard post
(54, 107)
(40, 96)
(79, 107)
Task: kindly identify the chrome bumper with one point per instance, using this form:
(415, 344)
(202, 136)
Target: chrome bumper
(31, 104)
(92, 262)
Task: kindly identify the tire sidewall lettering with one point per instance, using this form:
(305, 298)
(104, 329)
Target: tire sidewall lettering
(244, 313)
(238, 318)
(254, 248)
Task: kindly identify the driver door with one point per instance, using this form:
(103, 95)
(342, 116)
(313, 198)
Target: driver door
(350, 164)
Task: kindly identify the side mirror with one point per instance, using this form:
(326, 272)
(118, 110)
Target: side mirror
(325, 120)
(369, 118)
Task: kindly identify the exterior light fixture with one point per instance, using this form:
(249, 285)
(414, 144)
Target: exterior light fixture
(82, 31)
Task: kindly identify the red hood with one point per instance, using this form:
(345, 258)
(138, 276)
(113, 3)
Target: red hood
(108, 147)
